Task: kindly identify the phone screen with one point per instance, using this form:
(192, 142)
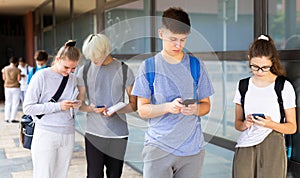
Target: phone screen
(100, 106)
(188, 101)
(260, 115)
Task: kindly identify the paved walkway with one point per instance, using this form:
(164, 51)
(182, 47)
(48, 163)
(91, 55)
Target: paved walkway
(15, 161)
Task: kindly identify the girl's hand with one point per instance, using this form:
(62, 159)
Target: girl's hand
(248, 122)
(262, 121)
(66, 104)
(96, 109)
(106, 114)
(77, 104)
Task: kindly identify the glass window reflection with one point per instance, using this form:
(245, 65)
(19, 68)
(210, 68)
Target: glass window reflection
(284, 23)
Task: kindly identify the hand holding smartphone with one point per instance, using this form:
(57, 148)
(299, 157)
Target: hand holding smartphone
(187, 102)
(100, 106)
(259, 115)
(100, 109)
(76, 103)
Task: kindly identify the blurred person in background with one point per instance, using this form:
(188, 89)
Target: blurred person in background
(25, 68)
(11, 76)
(41, 59)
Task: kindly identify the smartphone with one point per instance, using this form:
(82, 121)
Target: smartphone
(100, 106)
(76, 102)
(188, 101)
(260, 115)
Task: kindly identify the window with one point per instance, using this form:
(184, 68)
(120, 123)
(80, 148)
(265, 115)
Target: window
(62, 11)
(46, 12)
(81, 7)
(128, 29)
(284, 23)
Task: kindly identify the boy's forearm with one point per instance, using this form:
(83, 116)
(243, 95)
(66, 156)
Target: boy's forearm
(147, 111)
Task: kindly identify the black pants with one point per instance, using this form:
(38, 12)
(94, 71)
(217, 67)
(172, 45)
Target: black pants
(108, 152)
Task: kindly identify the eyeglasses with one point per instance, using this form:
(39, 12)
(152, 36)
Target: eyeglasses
(263, 68)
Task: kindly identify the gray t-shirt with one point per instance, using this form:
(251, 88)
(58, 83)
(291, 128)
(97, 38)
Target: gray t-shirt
(175, 133)
(41, 89)
(105, 87)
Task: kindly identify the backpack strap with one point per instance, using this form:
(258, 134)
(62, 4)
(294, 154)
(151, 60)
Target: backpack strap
(243, 88)
(195, 71)
(279, 84)
(124, 71)
(27, 70)
(58, 92)
(33, 70)
(86, 67)
(194, 67)
(150, 72)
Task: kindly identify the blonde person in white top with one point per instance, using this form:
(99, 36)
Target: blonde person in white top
(260, 150)
(108, 81)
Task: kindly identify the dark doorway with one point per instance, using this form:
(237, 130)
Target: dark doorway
(12, 42)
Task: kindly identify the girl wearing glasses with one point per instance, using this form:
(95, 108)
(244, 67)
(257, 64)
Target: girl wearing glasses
(260, 149)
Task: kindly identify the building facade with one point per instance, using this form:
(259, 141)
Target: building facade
(222, 31)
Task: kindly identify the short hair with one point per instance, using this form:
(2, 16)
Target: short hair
(22, 59)
(95, 46)
(176, 20)
(69, 50)
(41, 55)
(13, 60)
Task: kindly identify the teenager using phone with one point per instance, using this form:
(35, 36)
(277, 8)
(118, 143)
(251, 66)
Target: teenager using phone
(260, 149)
(106, 81)
(174, 143)
(53, 139)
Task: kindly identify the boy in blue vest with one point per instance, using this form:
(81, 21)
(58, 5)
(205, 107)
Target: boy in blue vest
(174, 143)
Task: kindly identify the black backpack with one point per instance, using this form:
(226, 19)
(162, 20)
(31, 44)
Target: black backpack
(279, 84)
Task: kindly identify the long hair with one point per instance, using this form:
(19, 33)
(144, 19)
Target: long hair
(69, 50)
(264, 46)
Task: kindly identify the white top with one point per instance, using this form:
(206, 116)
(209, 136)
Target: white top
(41, 89)
(24, 71)
(105, 87)
(262, 100)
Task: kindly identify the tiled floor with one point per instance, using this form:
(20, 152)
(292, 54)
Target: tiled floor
(15, 161)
